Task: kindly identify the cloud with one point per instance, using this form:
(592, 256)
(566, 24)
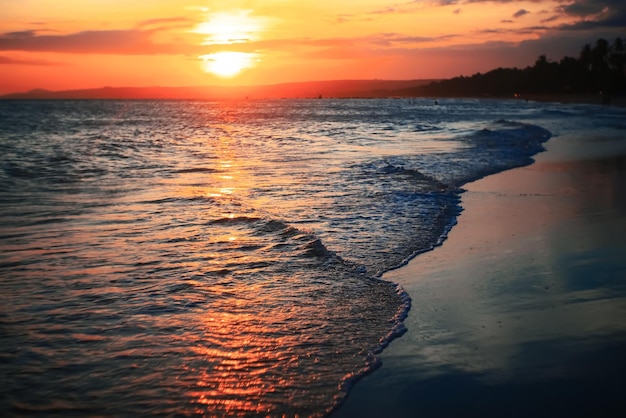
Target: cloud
(389, 38)
(507, 21)
(583, 8)
(403, 8)
(550, 19)
(453, 2)
(555, 45)
(469, 58)
(504, 1)
(132, 41)
(380, 40)
(17, 61)
(529, 30)
(520, 13)
(343, 18)
(19, 35)
(152, 22)
(591, 14)
(595, 14)
(457, 11)
(388, 10)
(343, 48)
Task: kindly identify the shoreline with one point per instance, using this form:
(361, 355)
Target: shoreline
(519, 312)
(593, 99)
(106, 94)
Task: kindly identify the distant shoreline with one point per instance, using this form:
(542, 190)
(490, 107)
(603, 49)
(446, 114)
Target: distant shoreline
(547, 98)
(338, 89)
(598, 99)
(592, 99)
(309, 90)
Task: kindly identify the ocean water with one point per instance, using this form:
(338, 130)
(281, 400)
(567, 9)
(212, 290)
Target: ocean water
(195, 258)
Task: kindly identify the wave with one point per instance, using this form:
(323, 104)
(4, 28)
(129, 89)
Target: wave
(278, 285)
(195, 170)
(234, 220)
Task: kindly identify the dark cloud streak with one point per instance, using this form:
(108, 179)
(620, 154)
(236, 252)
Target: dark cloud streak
(123, 42)
(520, 13)
(17, 61)
(550, 19)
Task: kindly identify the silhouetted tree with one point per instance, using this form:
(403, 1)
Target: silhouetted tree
(585, 56)
(600, 68)
(599, 65)
(617, 60)
(574, 75)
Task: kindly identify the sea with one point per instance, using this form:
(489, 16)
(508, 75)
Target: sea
(225, 258)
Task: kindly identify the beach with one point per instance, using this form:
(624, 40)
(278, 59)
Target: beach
(521, 311)
(158, 258)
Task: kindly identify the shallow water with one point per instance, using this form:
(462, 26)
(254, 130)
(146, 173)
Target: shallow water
(223, 258)
(520, 313)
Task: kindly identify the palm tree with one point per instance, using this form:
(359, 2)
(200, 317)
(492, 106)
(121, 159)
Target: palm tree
(617, 56)
(599, 56)
(617, 59)
(585, 56)
(600, 71)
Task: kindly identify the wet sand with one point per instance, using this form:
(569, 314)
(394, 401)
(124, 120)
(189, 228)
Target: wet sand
(522, 311)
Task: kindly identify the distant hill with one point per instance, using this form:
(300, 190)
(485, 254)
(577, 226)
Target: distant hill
(312, 89)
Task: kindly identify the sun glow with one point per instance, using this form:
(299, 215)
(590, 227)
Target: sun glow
(235, 27)
(227, 28)
(228, 64)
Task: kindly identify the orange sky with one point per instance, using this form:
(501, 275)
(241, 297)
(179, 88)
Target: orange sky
(93, 43)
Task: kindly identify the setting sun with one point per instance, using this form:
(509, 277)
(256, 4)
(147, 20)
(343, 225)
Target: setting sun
(227, 64)
(230, 28)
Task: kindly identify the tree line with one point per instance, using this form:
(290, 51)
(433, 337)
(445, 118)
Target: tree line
(599, 69)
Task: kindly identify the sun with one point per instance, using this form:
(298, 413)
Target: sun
(228, 64)
(229, 31)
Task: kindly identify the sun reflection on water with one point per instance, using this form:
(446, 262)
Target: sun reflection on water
(187, 257)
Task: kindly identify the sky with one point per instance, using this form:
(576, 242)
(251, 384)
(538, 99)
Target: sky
(74, 44)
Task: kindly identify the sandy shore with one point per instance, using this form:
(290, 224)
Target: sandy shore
(522, 311)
